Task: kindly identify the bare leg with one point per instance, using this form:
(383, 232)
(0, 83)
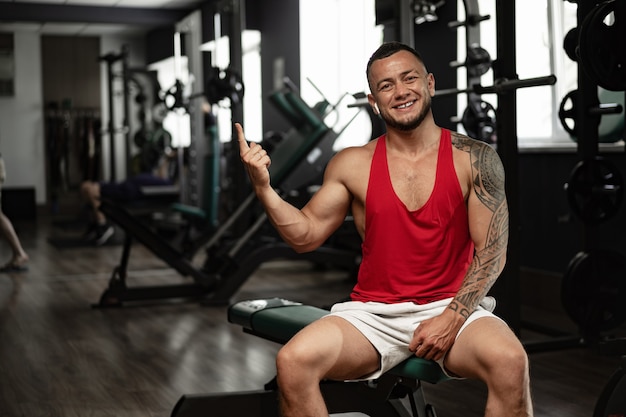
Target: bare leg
(19, 257)
(488, 350)
(330, 348)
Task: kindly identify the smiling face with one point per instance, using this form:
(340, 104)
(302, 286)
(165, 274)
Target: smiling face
(402, 89)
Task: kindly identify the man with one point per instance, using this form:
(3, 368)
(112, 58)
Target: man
(431, 210)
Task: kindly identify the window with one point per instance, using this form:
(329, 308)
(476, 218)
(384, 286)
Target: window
(541, 26)
(337, 38)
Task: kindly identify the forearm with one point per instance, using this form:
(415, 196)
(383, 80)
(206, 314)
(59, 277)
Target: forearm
(291, 223)
(483, 272)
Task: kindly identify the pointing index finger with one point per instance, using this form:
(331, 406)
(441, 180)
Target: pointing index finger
(243, 143)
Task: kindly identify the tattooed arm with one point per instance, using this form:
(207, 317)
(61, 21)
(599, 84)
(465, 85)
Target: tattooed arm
(488, 221)
(488, 224)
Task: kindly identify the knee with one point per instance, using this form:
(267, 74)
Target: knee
(288, 359)
(294, 363)
(510, 367)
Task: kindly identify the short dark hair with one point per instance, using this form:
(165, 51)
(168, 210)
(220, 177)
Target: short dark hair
(386, 50)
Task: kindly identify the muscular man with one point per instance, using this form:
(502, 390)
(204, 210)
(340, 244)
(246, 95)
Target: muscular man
(430, 207)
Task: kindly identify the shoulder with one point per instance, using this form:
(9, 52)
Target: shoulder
(479, 152)
(478, 161)
(350, 167)
(354, 156)
(465, 143)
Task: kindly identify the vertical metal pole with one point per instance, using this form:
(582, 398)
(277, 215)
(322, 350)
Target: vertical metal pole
(183, 174)
(507, 288)
(406, 24)
(240, 189)
(191, 181)
(586, 123)
(126, 121)
(112, 176)
(620, 18)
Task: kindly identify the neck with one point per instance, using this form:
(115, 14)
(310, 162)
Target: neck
(417, 140)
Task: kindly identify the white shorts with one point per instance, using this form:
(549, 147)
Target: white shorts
(390, 327)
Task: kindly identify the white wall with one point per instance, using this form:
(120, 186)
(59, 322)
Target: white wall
(21, 119)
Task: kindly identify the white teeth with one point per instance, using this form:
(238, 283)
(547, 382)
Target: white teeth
(405, 105)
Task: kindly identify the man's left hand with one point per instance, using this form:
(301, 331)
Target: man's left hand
(435, 336)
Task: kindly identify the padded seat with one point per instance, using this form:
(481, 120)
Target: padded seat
(279, 320)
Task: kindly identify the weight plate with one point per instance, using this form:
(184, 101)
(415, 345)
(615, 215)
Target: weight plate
(478, 61)
(601, 49)
(224, 84)
(593, 290)
(570, 44)
(611, 126)
(595, 190)
(479, 121)
(568, 112)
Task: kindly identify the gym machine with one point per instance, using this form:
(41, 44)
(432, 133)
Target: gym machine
(278, 320)
(297, 161)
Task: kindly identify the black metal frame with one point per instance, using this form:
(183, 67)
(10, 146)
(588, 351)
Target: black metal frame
(381, 399)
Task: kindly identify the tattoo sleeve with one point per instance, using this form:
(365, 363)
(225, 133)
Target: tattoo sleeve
(488, 262)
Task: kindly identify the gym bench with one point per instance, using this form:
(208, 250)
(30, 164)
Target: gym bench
(278, 320)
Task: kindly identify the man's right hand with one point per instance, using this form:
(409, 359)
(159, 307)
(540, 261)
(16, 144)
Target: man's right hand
(255, 159)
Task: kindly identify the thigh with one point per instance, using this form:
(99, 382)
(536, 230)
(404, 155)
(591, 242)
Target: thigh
(481, 346)
(336, 349)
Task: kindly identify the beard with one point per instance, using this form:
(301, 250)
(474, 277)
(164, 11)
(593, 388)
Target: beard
(411, 124)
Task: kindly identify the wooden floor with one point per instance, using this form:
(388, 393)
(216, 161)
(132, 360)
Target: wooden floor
(59, 357)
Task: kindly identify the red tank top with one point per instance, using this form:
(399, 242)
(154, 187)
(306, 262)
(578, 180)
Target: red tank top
(419, 256)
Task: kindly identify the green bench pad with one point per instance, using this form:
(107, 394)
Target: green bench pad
(279, 320)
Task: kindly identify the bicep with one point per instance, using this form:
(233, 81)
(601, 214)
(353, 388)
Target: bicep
(487, 205)
(328, 207)
(326, 210)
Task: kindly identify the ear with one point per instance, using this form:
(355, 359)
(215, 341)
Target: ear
(431, 84)
(372, 102)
